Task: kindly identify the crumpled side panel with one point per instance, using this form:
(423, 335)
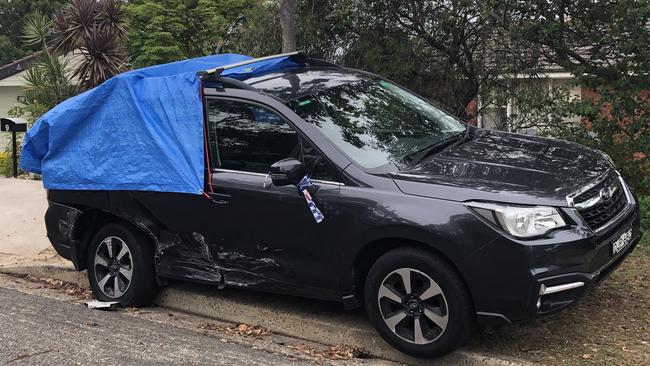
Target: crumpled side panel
(190, 256)
(61, 221)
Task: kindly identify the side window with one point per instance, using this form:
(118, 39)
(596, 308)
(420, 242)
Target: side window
(317, 166)
(248, 137)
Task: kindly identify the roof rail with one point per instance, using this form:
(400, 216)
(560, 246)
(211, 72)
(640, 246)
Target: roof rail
(218, 70)
(297, 56)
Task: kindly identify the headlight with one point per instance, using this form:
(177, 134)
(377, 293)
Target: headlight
(520, 221)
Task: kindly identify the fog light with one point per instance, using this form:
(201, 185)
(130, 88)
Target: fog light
(543, 290)
(539, 302)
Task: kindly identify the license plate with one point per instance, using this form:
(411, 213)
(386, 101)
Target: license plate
(621, 242)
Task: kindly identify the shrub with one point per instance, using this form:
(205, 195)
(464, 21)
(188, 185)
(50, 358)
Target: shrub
(644, 203)
(5, 164)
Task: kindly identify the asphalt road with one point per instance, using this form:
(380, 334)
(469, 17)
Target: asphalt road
(38, 330)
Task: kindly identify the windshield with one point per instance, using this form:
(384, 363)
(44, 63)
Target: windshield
(376, 122)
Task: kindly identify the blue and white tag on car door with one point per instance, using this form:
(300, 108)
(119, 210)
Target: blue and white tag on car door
(304, 184)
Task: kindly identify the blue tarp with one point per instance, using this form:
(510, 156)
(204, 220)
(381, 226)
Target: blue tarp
(140, 130)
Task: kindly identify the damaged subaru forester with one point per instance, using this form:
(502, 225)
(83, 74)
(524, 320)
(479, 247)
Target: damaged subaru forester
(338, 184)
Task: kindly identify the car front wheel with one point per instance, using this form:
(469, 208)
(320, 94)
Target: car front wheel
(418, 303)
(120, 266)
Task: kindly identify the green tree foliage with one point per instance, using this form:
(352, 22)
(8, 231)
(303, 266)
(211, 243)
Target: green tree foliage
(170, 30)
(260, 35)
(452, 51)
(443, 50)
(95, 31)
(49, 81)
(9, 51)
(340, 31)
(12, 15)
(81, 48)
(538, 107)
(6, 163)
(604, 44)
(455, 50)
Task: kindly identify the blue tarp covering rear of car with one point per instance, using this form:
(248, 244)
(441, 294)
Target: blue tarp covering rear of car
(140, 130)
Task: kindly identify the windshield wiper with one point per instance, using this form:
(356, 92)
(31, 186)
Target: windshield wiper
(416, 157)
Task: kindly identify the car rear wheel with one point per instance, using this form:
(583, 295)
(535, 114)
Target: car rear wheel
(418, 303)
(120, 266)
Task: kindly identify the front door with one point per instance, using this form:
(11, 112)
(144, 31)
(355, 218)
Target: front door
(264, 234)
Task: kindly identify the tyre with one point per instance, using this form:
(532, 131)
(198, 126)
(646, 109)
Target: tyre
(121, 266)
(418, 303)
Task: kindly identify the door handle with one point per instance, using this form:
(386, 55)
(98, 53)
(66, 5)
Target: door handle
(220, 198)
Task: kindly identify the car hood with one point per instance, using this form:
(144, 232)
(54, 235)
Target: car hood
(505, 167)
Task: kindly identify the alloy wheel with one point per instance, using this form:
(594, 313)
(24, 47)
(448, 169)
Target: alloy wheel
(413, 306)
(113, 266)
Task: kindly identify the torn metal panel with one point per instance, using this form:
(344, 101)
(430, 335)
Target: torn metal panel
(66, 219)
(61, 223)
(187, 256)
(190, 256)
(244, 261)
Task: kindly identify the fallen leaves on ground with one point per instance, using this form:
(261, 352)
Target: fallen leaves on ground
(47, 255)
(338, 352)
(67, 287)
(89, 323)
(240, 329)
(133, 309)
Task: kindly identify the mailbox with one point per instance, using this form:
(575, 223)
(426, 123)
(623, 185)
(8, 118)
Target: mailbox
(13, 125)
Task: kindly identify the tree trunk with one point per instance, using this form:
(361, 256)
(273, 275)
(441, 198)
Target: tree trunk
(288, 24)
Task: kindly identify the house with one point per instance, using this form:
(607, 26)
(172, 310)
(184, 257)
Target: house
(504, 114)
(12, 83)
(12, 88)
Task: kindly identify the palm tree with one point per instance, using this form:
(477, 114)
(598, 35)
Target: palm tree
(49, 81)
(96, 30)
(93, 30)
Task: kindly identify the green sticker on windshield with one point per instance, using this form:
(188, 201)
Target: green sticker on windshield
(385, 84)
(304, 102)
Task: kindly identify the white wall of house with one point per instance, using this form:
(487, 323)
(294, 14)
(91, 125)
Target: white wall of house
(9, 98)
(10, 89)
(492, 114)
(13, 87)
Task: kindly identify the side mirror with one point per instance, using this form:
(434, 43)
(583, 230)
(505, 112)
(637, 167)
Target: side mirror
(287, 171)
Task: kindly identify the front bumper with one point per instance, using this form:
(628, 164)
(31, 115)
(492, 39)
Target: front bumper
(511, 280)
(558, 291)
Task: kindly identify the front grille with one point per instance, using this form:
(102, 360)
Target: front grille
(601, 211)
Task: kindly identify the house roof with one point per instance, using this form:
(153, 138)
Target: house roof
(18, 66)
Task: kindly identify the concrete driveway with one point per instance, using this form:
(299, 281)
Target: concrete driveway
(22, 231)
